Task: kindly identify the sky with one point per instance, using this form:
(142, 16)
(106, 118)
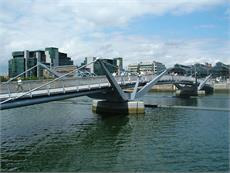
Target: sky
(178, 31)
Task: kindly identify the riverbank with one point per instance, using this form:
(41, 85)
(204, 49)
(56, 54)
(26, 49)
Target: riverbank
(222, 87)
(218, 87)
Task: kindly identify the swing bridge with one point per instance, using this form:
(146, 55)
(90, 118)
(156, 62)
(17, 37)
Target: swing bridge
(109, 88)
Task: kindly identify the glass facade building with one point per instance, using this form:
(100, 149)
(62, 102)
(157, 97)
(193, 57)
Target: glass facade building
(64, 59)
(16, 66)
(113, 65)
(24, 60)
(109, 63)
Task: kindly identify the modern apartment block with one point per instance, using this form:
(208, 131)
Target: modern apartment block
(146, 67)
(24, 60)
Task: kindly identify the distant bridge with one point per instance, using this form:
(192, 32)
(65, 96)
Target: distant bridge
(101, 87)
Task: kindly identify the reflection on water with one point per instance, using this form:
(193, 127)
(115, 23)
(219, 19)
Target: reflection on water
(67, 136)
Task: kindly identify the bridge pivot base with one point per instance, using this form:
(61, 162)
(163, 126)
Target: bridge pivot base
(181, 93)
(113, 108)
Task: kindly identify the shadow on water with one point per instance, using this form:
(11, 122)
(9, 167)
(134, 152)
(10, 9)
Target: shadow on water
(169, 99)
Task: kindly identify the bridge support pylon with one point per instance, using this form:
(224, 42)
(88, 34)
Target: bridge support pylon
(119, 102)
(129, 107)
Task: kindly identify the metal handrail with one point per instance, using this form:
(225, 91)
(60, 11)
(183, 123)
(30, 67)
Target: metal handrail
(38, 64)
(88, 73)
(118, 78)
(28, 92)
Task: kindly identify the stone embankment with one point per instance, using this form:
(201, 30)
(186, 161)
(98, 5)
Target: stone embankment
(223, 86)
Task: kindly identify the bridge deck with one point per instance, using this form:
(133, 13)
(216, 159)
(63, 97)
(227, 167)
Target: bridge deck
(75, 85)
(55, 91)
(47, 92)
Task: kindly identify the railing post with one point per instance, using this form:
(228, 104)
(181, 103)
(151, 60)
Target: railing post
(122, 80)
(8, 88)
(29, 86)
(48, 89)
(30, 89)
(63, 86)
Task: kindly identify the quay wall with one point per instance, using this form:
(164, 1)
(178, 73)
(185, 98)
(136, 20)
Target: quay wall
(170, 87)
(222, 87)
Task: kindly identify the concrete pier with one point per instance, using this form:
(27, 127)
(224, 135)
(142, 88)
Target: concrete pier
(130, 107)
(181, 93)
(201, 93)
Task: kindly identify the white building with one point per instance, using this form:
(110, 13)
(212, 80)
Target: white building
(146, 67)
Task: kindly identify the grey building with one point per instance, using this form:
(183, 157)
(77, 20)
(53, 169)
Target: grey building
(202, 70)
(221, 70)
(182, 70)
(113, 65)
(24, 60)
(16, 65)
(118, 62)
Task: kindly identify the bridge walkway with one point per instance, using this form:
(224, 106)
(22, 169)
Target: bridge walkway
(60, 90)
(33, 88)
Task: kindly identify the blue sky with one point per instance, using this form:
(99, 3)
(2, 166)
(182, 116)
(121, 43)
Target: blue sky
(179, 31)
(211, 23)
(201, 24)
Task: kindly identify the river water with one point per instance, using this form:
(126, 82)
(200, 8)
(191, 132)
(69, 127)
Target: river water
(67, 136)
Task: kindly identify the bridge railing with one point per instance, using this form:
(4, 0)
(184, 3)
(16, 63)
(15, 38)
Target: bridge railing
(60, 82)
(45, 86)
(79, 81)
(68, 82)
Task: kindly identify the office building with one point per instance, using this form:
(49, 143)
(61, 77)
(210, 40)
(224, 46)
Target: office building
(24, 60)
(113, 65)
(146, 67)
(221, 70)
(202, 70)
(183, 70)
(17, 64)
(118, 62)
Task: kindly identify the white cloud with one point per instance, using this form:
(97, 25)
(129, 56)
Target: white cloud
(76, 28)
(136, 49)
